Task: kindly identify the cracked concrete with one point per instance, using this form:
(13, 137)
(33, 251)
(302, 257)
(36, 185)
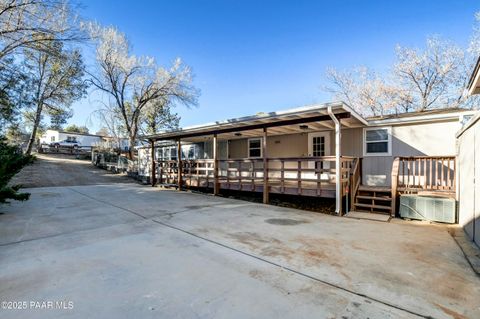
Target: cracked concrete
(125, 250)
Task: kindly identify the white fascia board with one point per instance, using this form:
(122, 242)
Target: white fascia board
(347, 108)
(420, 119)
(469, 124)
(475, 85)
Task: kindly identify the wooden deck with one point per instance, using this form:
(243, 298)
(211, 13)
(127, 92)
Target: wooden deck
(314, 177)
(289, 188)
(306, 176)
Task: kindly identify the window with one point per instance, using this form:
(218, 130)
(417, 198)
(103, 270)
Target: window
(255, 147)
(52, 138)
(377, 142)
(318, 145)
(173, 153)
(190, 151)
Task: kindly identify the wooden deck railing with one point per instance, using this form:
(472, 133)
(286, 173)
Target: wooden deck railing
(426, 173)
(355, 178)
(434, 174)
(292, 175)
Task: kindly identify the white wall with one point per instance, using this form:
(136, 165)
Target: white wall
(424, 139)
(469, 181)
(85, 140)
(51, 136)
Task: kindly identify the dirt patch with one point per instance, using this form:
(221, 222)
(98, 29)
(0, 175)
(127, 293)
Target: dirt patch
(50, 170)
(284, 221)
(254, 240)
(451, 313)
(315, 204)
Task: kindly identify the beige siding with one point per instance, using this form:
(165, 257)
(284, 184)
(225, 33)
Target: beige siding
(351, 142)
(427, 139)
(468, 177)
(238, 148)
(293, 145)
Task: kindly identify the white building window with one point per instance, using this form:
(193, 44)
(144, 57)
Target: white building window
(377, 141)
(190, 152)
(254, 147)
(52, 138)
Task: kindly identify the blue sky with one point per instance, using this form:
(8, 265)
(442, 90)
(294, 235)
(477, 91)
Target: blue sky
(252, 56)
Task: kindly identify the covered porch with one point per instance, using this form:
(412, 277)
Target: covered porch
(261, 170)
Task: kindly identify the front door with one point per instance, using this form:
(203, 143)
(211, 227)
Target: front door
(319, 145)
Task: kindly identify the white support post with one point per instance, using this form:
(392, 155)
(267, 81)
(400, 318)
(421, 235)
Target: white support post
(216, 188)
(179, 164)
(338, 163)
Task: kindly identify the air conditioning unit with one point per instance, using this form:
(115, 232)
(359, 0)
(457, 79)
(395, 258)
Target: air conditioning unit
(437, 209)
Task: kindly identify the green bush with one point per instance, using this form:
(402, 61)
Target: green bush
(12, 160)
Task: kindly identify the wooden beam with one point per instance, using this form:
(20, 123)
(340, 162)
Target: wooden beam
(216, 187)
(153, 170)
(180, 134)
(265, 166)
(179, 164)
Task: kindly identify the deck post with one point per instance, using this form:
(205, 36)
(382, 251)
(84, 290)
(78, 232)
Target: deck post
(394, 178)
(265, 166)
(215, 165)
(153, 170)
(179, 164)
(338, 163)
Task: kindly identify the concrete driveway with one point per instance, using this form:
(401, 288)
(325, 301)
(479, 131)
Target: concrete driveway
(130, 251)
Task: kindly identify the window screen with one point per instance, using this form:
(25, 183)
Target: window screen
(377, 141)
(255, 147)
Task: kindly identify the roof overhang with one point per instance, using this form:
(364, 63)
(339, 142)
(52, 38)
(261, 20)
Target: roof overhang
(427, 118)
(297, 120)
(474, 82)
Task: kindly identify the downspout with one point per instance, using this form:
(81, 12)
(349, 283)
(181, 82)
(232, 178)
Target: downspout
(338, 166)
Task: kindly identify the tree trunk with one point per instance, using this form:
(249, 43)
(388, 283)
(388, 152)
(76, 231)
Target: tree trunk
(131, 142)
(31, 140)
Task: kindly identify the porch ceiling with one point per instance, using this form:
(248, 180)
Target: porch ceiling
(299, 120)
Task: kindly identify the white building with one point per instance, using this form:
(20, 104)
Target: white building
(85, 140)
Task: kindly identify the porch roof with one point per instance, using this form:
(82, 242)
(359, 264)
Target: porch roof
(296, 120)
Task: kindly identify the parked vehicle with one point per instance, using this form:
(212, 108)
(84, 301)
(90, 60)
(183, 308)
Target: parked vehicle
(66, 143)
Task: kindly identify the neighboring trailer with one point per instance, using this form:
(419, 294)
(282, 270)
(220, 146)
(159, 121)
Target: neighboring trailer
(86, 140)
(469, 178)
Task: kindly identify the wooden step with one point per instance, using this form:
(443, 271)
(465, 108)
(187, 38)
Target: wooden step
(375, 189)
(373, 197)
(373, 206)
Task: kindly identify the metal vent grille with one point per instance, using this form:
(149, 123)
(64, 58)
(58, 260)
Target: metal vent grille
(428, 208)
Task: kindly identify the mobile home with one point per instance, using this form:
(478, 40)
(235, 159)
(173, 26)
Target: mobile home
(298, 151)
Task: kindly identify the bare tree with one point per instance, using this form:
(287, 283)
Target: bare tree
(55, 81)
(429, 74)
(363, 90)
(22, 20)
(134, 83)
(435, 77)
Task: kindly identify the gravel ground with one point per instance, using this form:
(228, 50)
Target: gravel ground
(64, 170)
